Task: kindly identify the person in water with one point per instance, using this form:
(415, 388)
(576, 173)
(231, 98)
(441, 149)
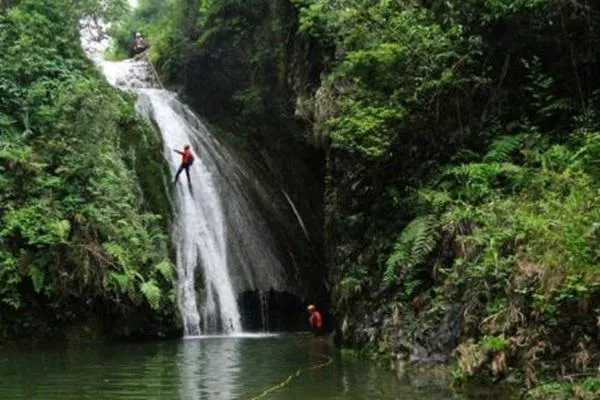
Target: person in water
(315, 320)
(139, 44)
(187, 159)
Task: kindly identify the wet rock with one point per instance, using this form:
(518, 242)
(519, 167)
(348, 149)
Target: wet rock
(420, 354)
(438, 346)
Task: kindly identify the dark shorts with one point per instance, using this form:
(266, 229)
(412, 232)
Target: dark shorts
(318, 331)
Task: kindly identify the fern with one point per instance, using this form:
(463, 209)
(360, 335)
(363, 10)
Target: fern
(436, 200)
(416, 242)
(397, 258)
(37, 276)
(501, 149)
(116, 251)
(423, 236)
(554, 105)
(165, 269)
(152, 293)
(121, 281)
(465, 174)
(588, 157)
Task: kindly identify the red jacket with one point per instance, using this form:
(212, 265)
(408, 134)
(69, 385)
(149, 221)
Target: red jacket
(315, 320)
(186, 156)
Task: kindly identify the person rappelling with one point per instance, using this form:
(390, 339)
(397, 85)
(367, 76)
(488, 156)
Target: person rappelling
(139, 44)
(187, 159)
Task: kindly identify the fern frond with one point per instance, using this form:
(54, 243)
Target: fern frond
(416, 242)
(165, 269)
(437, 200)
(588, 157)
(391, 266)
(554, 105)
(121, 281)
(152, 293)
(501, 149)
(116, 251)
(473, 172)
(37, 276)
(424, 237)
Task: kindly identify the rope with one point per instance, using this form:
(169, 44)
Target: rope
(287, 381)
(145, 54)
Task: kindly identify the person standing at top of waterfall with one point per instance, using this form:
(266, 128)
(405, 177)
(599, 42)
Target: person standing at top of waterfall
(139, 44)
(187, 159)
(315, 320)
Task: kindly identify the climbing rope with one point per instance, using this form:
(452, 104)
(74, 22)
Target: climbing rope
(287, 381)
(145, 54)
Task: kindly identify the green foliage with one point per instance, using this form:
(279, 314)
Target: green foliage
(350, 287)
(152, 19)
(380, 39)
(495, 343)
(466, 126)
(502, 148)
(152, 293)
(502, 8)
(72, 232)
(165, 269)
(574, 288)
(524, 239)
(583, 389)
(416, 242)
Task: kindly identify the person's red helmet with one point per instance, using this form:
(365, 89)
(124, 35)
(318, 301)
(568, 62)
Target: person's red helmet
(186, 147)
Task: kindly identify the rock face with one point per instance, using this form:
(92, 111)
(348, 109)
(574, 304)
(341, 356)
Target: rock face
(383, 330)
(437, 346)
(267, 90)
(233, 83)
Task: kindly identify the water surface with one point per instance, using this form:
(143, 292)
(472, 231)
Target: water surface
(211, 368)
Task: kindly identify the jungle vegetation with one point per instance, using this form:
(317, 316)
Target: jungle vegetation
(80, 253)
(462, 142)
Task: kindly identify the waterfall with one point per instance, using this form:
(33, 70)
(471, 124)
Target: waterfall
(217, 229)
(199, 229)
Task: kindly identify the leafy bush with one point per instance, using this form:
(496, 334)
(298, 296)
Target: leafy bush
(462, 156)
(73, 235)
(524, 239)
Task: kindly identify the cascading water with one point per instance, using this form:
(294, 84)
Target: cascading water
(216, 226)
(199, 231)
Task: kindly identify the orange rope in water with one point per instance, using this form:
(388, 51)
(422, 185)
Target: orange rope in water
(287, 381)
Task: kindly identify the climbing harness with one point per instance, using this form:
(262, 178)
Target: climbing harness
(287, 381)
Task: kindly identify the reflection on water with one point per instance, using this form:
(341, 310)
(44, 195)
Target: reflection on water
(210, 368)
(189, 371)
